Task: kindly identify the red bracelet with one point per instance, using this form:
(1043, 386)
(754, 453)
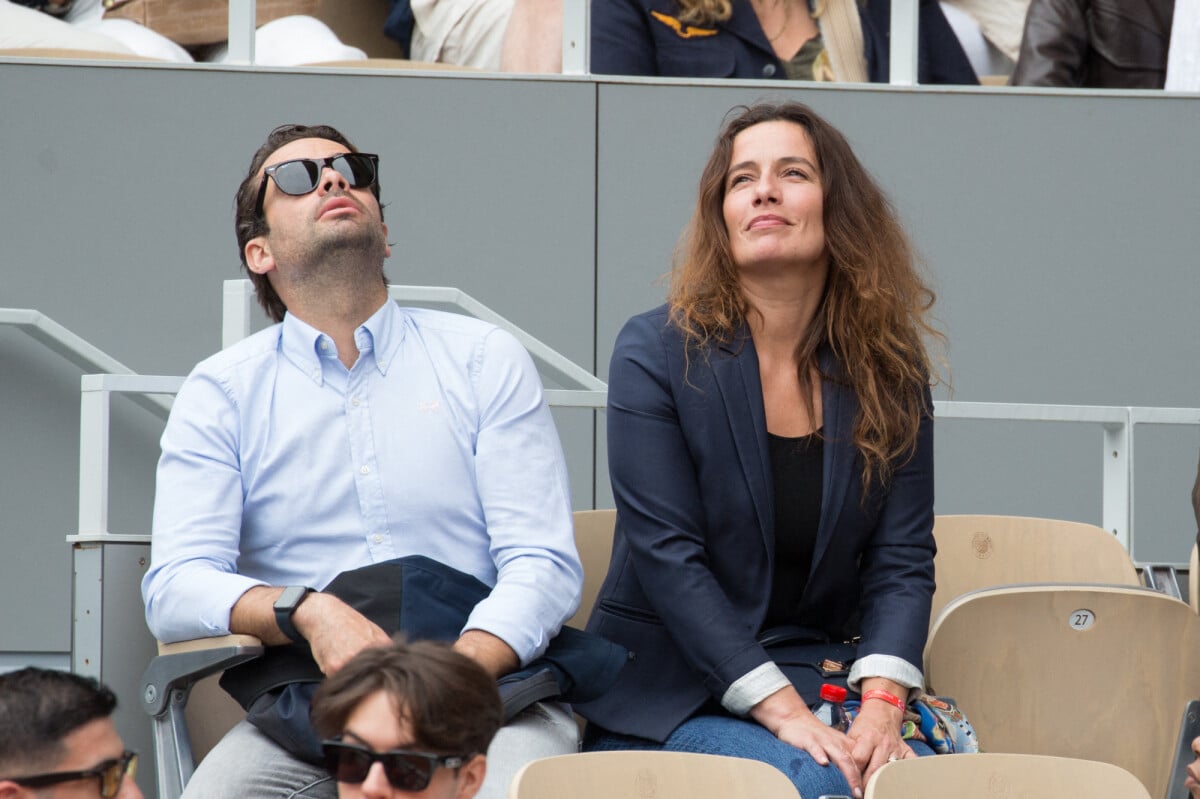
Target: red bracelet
(886, 696)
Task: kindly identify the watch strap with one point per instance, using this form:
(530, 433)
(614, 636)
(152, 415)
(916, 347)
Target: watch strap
(284, 611)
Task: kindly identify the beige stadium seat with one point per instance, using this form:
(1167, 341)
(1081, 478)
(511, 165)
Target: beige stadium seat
(191, 712)
(650, 775)
(1002, 775)
(1093, 672)
(593, 539)
(976, 551)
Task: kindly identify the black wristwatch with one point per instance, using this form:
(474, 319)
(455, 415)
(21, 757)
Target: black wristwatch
(286, 605)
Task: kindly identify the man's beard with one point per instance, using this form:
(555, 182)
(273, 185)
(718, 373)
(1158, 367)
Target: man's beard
(349, 258)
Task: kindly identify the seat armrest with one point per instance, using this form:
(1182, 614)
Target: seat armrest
(179, 665)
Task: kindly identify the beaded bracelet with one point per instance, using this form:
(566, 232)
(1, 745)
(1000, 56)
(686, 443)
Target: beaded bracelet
(886, 696)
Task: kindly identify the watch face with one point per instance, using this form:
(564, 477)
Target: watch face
(290, 596)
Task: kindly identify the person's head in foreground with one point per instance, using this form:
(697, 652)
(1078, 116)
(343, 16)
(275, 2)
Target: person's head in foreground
(57, 739)
(411, 719)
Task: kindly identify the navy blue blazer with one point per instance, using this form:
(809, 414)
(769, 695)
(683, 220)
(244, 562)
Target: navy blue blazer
(690, 578)
(645, 37)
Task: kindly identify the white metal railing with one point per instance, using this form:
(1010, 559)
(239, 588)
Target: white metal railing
(74, 348)
(1118, 425)
(582, 388)
(576, 37)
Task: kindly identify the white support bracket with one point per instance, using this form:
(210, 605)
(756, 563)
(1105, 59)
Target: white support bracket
(242, 19)
(576, 36)
(902, 44)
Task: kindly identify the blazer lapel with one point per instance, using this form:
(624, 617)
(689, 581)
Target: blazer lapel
(743, 23)
(838, 409)
(735, 371)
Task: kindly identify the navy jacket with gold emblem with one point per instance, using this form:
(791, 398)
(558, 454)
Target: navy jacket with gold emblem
(646, 37)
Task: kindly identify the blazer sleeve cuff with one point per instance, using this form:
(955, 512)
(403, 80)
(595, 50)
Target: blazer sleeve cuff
(752, 688)
(890, 667)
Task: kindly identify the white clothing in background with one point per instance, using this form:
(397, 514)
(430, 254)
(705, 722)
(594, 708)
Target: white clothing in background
(1002, 22)
(21, 26)
(464, 32)
(1183, 59)
(295, 40)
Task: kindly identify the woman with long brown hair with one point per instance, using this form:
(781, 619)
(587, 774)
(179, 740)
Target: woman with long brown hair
(770, 444)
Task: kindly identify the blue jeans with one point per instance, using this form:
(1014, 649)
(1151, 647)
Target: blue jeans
(725, 735)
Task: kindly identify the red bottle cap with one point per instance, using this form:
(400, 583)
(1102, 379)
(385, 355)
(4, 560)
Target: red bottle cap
(833, 693)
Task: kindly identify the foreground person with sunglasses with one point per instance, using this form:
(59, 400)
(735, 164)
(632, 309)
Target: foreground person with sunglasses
(57, 739)
(413, 718)
(348, 435)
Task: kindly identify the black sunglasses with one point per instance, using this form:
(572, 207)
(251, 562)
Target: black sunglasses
(110, 773)
(405, 770)
(302, 175)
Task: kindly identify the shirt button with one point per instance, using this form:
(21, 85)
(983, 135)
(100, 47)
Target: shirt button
(378, 539)
(325, 345)
(354, 402)
(769, 70)
(365, 470)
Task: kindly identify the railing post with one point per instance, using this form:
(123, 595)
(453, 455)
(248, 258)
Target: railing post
(93, 456)
(576, 33)
(236, 304)
(87, 601)
(902, 64)
(1117, 515)
(242, 18)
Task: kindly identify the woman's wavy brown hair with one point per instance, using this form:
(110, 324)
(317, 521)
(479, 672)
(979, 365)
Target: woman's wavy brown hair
(874, 314)
(705, 12)
(710, 12)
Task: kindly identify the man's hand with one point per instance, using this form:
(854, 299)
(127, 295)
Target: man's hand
(335, 631)
(489, 651)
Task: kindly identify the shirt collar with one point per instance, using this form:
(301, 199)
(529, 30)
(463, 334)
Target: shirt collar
(305, 346)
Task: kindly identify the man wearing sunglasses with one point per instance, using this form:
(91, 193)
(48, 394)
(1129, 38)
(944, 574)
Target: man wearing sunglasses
(57, 739)
(354, 432)
(413, 717)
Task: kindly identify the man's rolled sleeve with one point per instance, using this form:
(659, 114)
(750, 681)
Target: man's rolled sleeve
(192, 583)
(523, 487)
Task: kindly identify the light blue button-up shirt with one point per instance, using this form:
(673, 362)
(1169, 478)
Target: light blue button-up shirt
(281, 467)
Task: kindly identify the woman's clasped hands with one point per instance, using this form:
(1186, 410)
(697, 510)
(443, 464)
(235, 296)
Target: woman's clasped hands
(873, 739)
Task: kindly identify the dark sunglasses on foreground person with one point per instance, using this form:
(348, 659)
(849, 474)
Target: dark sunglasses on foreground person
(110, 774)
(302, 175)
(404, 769)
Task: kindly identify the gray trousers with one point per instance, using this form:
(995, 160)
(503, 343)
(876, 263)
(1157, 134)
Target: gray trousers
(246, 764)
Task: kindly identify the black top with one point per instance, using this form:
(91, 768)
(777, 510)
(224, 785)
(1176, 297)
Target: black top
(797, 469)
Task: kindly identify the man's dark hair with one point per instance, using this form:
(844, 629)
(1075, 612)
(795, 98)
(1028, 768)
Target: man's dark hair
(248, 223)
(38, 709)
(448, 699)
